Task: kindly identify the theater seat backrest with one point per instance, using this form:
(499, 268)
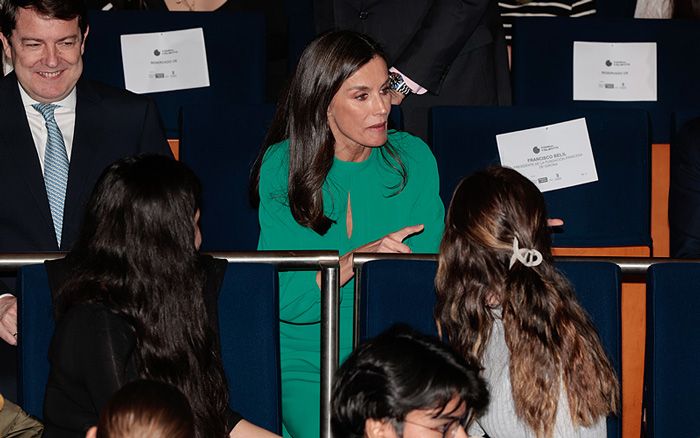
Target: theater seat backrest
(672, 386)
(220, 143)
(613, 211)
(402, 291)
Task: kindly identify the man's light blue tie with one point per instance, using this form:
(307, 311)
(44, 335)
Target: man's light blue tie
(55, 167)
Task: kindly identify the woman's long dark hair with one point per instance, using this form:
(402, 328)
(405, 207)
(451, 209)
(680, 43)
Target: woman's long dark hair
(136, 255)
(302, 117)
(549, 335)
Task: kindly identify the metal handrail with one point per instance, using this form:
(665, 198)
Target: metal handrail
(632, 268)
(628, 265)
(326, 261)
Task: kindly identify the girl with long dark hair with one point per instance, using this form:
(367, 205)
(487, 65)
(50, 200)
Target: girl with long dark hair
(137, 301)
(330, 176)
(501, 299)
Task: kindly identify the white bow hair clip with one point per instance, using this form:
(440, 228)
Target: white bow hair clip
(526, 256)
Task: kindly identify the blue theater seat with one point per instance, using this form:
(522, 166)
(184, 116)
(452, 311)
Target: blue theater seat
(598, 289)
(672, 386)
(402, 291)
(235, 46)
(220, 143)
(543, 63)
(35, 330)
(397, 291)
(249, 332)
(613, 211)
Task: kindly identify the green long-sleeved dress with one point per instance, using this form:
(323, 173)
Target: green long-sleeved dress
(379, 207)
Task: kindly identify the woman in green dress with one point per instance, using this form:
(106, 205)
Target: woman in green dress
(332, 177)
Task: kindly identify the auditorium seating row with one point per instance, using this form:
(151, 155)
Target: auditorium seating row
(220, 127)
(542, 59)
(543, 64)
(613, 211)
(607, 217)
(542, 77)
(248, 323)
(235, 49)
(401, 290)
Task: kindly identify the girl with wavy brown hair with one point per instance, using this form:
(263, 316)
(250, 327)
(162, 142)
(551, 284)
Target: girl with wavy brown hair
(501, 299)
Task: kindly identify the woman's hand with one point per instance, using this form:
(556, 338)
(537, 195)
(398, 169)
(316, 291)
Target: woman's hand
(391, 243)
(554, 222)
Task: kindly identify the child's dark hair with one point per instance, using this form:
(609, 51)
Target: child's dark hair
(146, 408)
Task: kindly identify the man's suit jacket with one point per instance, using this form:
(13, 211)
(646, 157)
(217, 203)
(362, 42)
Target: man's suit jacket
(453, 48)
(110, 124)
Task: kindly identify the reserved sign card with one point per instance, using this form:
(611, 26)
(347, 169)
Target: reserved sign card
(553, 157)
(614, 71)
(165, 61)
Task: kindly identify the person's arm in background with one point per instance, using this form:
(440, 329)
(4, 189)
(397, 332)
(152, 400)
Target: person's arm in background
(441, 36)
(583, 8)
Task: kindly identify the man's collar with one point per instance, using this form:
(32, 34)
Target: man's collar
(67, 102)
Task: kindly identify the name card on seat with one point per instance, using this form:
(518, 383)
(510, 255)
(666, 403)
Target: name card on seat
(552, 157)
(614, 71)
(165, 61)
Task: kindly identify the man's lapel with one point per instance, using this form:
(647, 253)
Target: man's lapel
(17, 144)
(86, 140)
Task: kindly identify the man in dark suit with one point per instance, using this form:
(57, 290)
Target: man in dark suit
(58, 131)
(448, 52)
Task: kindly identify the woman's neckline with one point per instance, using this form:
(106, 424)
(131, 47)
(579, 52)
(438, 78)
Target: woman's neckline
(343, 164)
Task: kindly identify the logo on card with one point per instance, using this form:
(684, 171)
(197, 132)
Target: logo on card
(536, 150)
(608, 63)
(165, 52)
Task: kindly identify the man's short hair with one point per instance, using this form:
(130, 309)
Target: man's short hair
(397, 372)
(58, 9)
